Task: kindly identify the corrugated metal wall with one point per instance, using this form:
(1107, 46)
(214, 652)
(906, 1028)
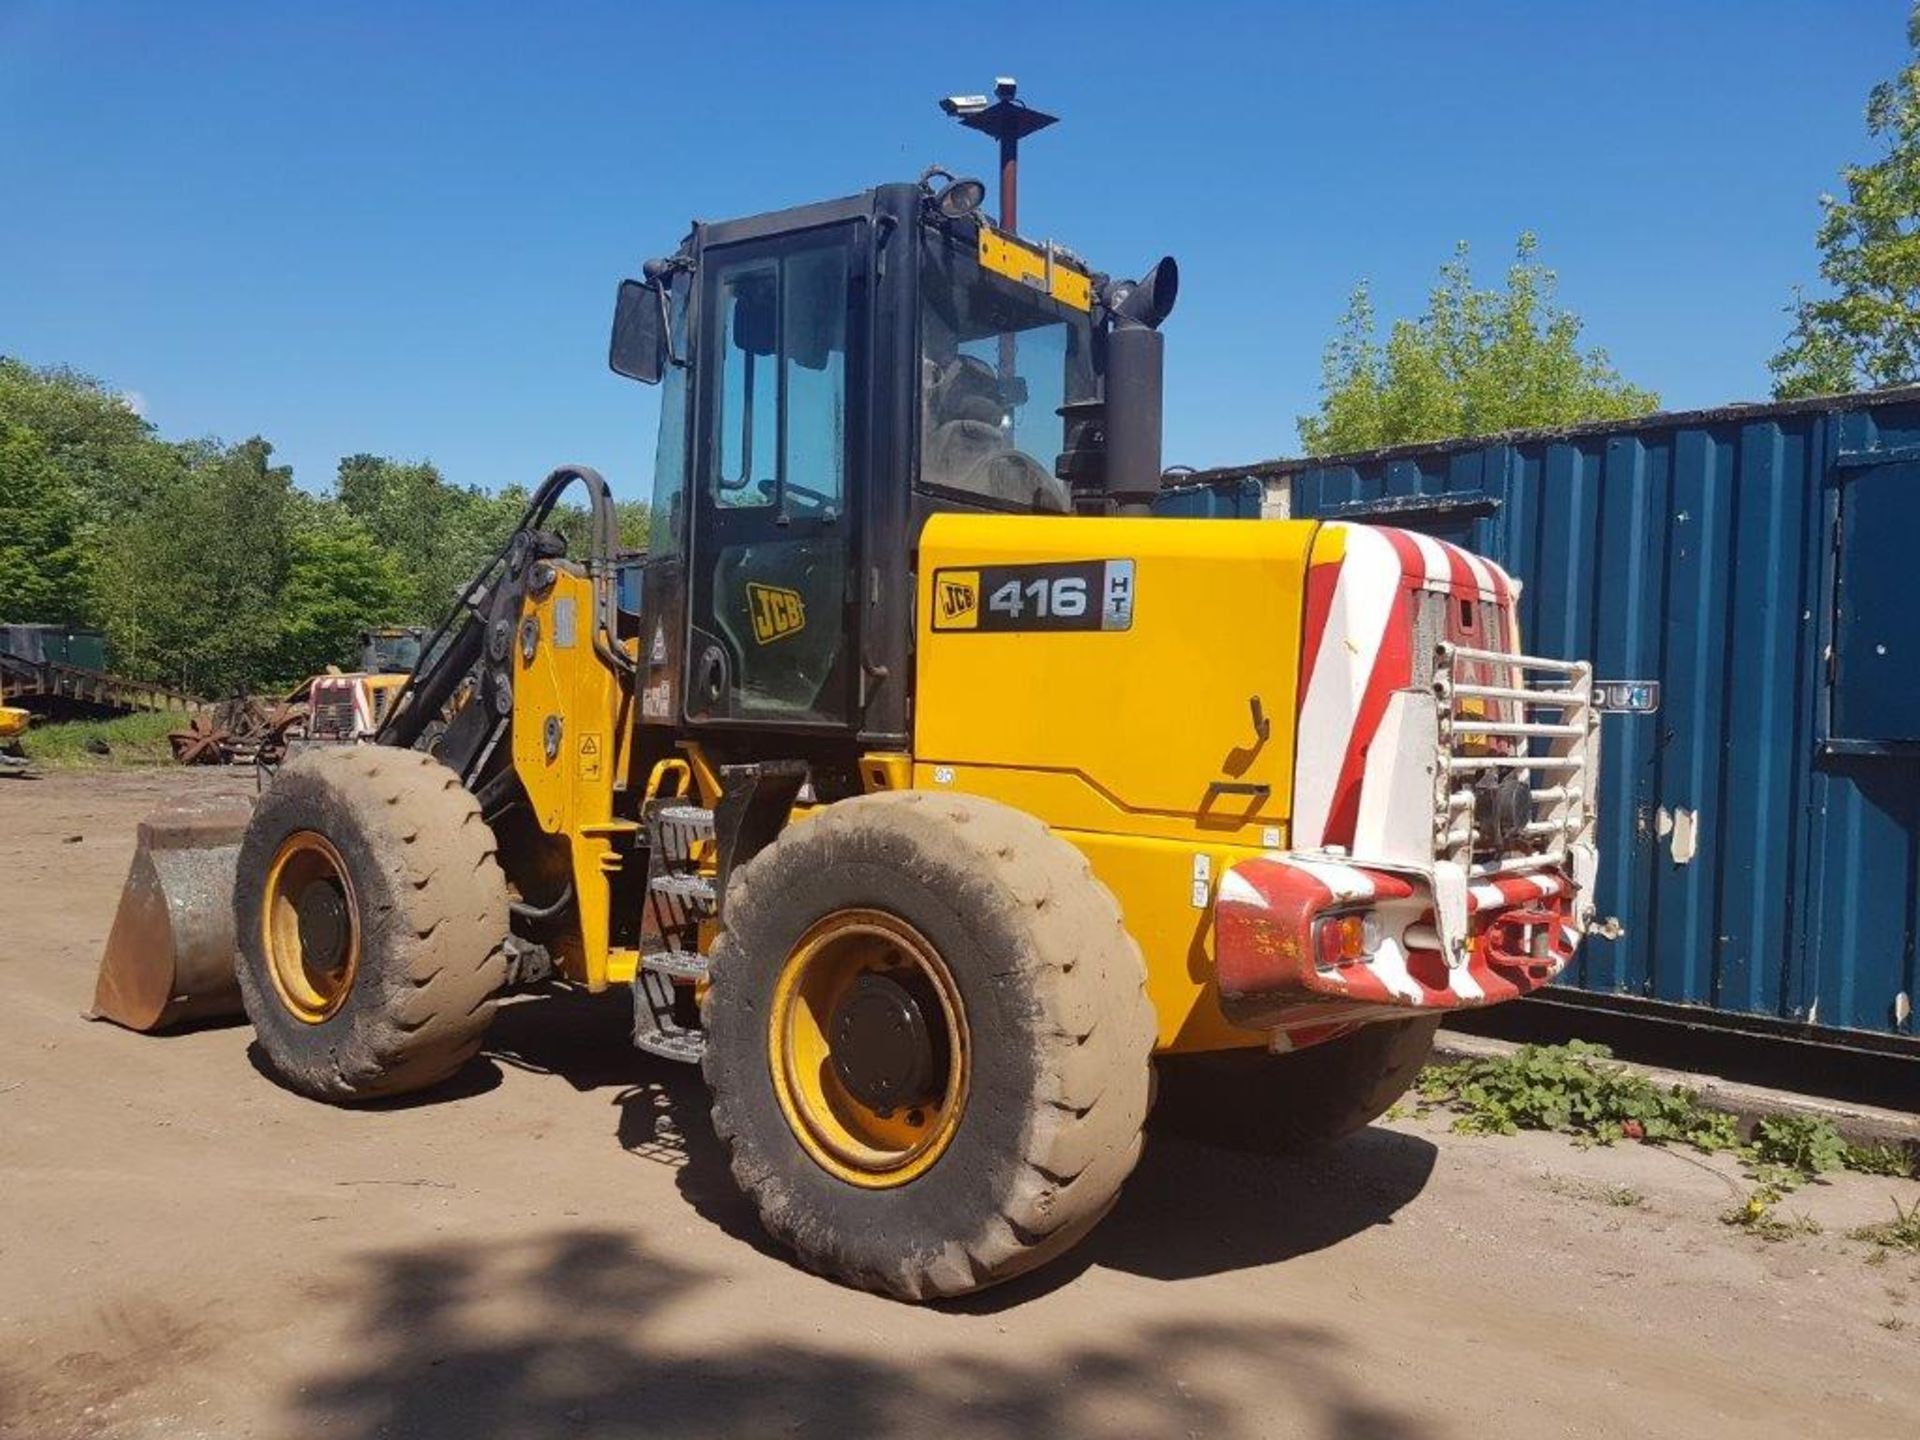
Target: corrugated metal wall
(1762, 829)
(1237, 497)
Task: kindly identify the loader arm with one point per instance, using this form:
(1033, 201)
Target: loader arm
(169, 957)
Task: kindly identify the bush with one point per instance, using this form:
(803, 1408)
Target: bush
(1805, 1143)
(1572, 1089)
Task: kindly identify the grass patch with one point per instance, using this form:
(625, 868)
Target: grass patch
(1620, 1197)
(130, 740)
(1578, 1089)
(1756, 1216)
(1878, 1159)
(1900, 1233)
(1573, 1089)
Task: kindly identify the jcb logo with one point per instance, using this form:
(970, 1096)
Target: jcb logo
(956, 599)
(776, 612)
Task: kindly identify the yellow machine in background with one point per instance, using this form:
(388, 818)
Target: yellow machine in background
(13, 725)
(348, 706)
(930, 786)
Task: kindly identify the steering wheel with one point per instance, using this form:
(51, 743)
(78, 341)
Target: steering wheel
(767, 490)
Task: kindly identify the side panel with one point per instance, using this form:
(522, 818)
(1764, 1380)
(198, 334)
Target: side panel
(1138, 743)
(1166, 890)
(1145, 727)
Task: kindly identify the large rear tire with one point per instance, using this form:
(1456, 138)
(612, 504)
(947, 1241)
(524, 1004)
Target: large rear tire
(993, 1135)
(371, 914)
(1303, 1100)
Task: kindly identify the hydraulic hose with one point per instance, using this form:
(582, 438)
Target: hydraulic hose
(446, 661)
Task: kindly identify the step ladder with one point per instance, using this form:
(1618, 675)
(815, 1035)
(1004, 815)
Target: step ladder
(680, 896)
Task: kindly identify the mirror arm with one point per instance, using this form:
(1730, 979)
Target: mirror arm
(659, 275)
(674, 357)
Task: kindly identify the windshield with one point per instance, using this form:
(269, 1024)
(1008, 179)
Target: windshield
(998, 360)
(394, 654)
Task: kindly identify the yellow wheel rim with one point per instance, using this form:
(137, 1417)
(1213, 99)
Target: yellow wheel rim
(310, 927)
(871, 1146)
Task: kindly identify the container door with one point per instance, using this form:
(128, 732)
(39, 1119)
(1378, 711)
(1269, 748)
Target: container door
(1876, 649)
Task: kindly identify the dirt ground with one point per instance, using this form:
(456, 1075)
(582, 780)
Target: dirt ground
(552, 1248)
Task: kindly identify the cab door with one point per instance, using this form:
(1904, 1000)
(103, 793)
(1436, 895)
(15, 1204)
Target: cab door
(770, 616)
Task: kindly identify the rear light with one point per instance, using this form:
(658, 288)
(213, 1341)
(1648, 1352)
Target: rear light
(1345, 939)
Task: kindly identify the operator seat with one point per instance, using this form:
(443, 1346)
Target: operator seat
(965, 445)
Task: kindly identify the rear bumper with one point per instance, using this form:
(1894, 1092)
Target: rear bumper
(1521, 931)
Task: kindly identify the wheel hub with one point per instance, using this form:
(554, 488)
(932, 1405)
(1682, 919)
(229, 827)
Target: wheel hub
(322, 916)
(883, 1050)
(868, 1047)
(310, 932)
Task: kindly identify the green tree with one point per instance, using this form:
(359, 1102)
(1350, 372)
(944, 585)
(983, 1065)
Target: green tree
(43, 571)
(1477, 362)
(636, 523)
(339, 581)
(1866, 330)
(440, 534)
(190, 593)
(109, 454)
(207, 568)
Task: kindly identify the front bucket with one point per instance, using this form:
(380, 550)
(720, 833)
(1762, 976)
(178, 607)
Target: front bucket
(170, 954)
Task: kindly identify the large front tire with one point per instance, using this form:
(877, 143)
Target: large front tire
(371, 915)
(1023, 1080)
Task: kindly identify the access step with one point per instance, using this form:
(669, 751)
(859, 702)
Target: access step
(689, 1047)
(676, 965)
(662, 1002)
(678, 829)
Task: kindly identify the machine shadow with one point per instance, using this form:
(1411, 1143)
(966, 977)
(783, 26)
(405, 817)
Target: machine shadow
(590, 1332)
(1193, 1207)
(476, 1077)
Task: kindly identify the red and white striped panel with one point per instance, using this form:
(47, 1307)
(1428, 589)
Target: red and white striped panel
(1509, 890)
(1431, 564)
(1265, 963)
(1357, 650)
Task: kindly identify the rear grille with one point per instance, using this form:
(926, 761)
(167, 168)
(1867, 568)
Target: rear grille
(331, 713)
(1515, 714)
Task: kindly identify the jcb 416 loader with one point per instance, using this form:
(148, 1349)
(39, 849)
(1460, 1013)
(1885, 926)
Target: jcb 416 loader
(934, 787)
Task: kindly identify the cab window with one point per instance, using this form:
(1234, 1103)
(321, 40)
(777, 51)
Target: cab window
(780, 412)
(998, 361)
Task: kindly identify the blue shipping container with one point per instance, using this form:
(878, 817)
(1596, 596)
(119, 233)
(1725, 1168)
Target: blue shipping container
(1761, 829)
(1236, 497)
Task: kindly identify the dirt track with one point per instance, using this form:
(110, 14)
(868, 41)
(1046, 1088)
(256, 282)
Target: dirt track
(553, 1248)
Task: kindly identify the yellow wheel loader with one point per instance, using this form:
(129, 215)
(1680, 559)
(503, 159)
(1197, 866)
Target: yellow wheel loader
(344, 707)
(934, 790)
(13, 728)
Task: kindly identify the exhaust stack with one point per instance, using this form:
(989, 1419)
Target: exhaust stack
(1133, 406)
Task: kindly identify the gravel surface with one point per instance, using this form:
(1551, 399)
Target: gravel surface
(551, 1247)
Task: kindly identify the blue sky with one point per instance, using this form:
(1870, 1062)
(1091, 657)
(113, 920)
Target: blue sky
(398, 228)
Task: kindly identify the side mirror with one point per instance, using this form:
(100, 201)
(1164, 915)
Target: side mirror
(639, 347)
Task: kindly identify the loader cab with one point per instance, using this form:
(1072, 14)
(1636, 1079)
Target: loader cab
(830, 375)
